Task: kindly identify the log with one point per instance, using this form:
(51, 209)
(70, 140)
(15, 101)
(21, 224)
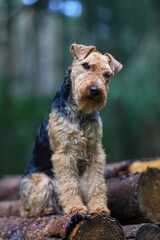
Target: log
(9, 187)
(114, 170)
(72, 227)
(135, 197)
(145, 231)
(130, 167)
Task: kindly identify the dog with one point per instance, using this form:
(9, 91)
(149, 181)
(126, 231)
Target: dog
(65, 172)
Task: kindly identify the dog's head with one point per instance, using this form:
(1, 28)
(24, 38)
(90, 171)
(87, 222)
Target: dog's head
(90, 76)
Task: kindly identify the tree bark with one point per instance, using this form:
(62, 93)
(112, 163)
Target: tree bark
(114, 170)
(73, 227)
(130, 167)
(135, 196)
(145, 231)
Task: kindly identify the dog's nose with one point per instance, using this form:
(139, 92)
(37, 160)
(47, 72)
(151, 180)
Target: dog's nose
(94, 91)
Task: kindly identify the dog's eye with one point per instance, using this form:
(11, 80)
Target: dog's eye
(86, 66)
(106, 75)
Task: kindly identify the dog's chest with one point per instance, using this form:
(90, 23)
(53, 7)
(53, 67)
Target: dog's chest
(82, 160)
(89, 138)
(72, 138)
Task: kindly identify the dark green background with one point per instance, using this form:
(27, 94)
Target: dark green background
(130, 30)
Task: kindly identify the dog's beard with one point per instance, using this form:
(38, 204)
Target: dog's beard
(88, 103)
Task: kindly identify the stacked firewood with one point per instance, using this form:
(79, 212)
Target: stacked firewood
(133, 198)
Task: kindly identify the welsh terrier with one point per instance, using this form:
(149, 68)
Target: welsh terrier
(65, 172)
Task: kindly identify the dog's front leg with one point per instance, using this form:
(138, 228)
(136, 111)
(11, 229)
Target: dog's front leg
(68, 188)
(96, 188)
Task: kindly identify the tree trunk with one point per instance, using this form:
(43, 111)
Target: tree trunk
(145, 231)
(135, 196)
(72, 227)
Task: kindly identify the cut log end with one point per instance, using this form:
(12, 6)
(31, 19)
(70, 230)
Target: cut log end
(148, 232)
(148, 194)
(145, 231)
(97, 227)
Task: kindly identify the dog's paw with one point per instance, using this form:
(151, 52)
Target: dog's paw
(101, 210)
(24, 213)
(48, 211)
(74, 209)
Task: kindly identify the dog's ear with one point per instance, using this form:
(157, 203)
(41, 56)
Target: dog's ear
(81, 51)
(115, 65)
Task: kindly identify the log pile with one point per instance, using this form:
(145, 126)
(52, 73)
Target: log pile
(133, 198)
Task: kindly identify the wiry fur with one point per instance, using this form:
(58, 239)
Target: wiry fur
(65, 173)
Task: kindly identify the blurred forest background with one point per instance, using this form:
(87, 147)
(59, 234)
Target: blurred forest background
(35, 36)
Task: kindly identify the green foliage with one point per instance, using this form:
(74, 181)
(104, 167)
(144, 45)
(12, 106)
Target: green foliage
(20, 120)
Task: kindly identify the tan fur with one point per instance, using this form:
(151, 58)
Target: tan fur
(78, 156)
(115, 65)
(72, 145)
(83, 80)
(38, 196)
(80, 51)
